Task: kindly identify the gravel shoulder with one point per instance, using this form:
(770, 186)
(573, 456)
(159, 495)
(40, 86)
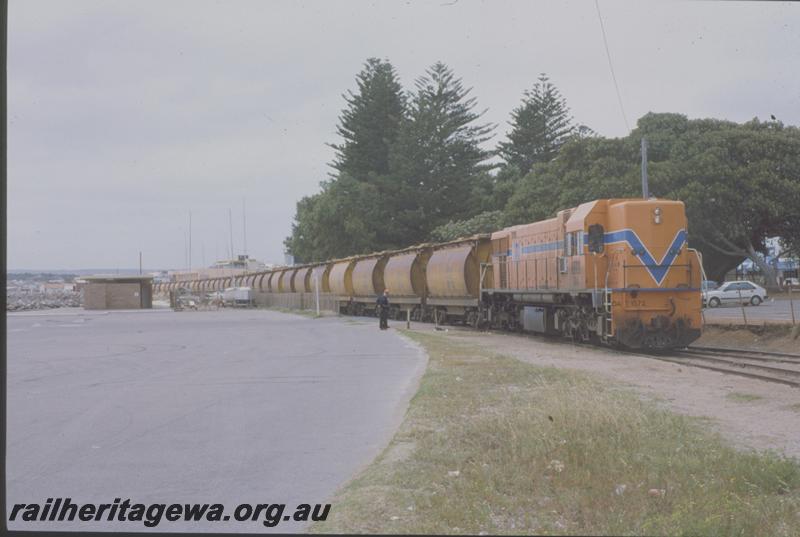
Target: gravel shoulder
(751, 414)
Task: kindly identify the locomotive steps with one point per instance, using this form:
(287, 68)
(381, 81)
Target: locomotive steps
(493, 444)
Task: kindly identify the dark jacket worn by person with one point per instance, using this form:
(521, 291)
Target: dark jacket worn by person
(383, 311)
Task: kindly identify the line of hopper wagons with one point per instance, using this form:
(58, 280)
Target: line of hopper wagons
(439, 282)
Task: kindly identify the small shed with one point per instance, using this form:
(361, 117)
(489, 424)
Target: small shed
(118, 292)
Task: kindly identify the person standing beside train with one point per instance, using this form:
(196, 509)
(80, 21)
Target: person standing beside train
(383, 309)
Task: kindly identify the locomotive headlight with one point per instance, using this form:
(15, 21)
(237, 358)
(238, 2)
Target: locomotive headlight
(657, 215)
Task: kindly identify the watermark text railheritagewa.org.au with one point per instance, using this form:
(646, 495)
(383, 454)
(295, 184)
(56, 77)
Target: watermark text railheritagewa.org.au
(151, 515)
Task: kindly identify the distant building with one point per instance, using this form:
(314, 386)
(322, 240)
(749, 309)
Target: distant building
(230, 267)
(242, 262)
(117, 292)
(161, 276)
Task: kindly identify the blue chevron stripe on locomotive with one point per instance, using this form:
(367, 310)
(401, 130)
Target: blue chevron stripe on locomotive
(658, 270)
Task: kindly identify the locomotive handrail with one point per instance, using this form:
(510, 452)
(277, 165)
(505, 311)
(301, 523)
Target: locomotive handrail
(483, 268)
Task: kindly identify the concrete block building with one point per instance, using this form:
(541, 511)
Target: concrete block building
(118, 292)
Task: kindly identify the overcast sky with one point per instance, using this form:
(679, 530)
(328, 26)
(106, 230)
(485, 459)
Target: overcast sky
(125, 116)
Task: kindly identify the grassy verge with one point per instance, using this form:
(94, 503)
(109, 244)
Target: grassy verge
(491, 444)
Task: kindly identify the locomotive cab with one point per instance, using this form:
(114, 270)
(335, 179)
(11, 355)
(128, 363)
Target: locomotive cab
(652, 279)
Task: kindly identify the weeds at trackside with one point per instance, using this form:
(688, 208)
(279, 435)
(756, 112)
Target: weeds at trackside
(740, 397)
(305, 313)
(491, 444)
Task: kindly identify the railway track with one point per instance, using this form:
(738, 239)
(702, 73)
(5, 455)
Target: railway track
(778, 367)
(782, 368)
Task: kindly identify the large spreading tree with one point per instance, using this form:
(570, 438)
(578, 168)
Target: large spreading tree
(741, 185)
(740, 182)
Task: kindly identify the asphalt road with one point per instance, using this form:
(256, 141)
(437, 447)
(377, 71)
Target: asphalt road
(245, 406)
(774, 310)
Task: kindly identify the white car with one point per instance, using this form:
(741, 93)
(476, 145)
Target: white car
(738, 292)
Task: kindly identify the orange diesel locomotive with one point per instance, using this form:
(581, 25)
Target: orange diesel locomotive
(616, 270)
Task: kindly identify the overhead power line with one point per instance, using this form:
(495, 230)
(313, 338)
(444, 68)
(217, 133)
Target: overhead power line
(611, 65)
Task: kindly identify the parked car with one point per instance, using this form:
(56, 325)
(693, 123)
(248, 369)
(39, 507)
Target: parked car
(737, 292)
(238, 296)
(186, 302)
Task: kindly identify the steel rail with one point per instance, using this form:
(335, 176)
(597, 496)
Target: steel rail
(744, 351)
(743, 354)
(738, 372)
(737, 362)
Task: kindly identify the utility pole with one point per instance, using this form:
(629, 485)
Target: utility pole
(230, 229)
(244, 225)
(190, 241)
(316, 289)
(645, 188)
(244, 237)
